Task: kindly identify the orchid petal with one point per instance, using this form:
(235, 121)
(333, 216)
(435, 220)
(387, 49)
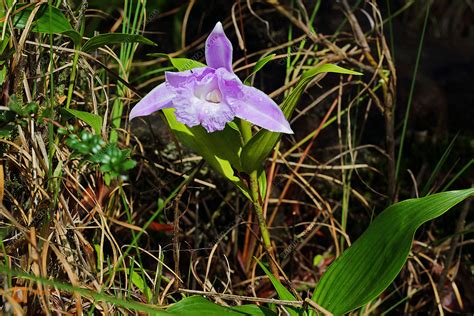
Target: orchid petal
(181, 78)
(218, 49)
(259, 109)
(159, 98)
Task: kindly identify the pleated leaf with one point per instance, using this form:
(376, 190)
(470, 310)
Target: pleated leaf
(366, 268)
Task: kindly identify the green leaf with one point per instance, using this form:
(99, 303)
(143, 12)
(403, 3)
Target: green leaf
(114, 38)
(138, 281)
(259, 65)
(197, 306)
(262, 183)
(181, 64)
(283, 293)
(185, 64)
(94, 120)
(220, 149)
(261, 144)
(366, 268)
(48, 19)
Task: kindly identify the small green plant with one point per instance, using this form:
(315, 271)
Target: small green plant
(113, 162)
(16, 115)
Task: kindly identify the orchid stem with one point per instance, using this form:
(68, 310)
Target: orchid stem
(246, 131)
(254, 189)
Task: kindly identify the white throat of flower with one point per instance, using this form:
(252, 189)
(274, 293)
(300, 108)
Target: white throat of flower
(214, 96)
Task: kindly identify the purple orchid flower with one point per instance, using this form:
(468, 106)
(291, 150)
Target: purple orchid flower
(212, 96)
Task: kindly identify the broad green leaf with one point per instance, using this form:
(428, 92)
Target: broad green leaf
(220, 149)
(198, 306)
(94, 120)
(282, 291)
(179, 63)
(262, 143)
(366, 268)
(114, 38)
(222, 145)
(259, 65)
(44, 22)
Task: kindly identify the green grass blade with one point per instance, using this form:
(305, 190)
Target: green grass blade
(410, 96)
(460, 172)
(438, 167)
(180, 63)
(366, 268)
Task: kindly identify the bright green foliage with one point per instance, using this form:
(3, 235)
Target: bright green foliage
(220, 149)
(4, 52)
(366, 268)
(113, 161)
(180, 63)
(197, 306)
(140, 283)
(48, 19)
(86, 144)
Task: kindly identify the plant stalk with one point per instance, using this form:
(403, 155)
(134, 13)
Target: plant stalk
(254, 190)
(246, 131)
